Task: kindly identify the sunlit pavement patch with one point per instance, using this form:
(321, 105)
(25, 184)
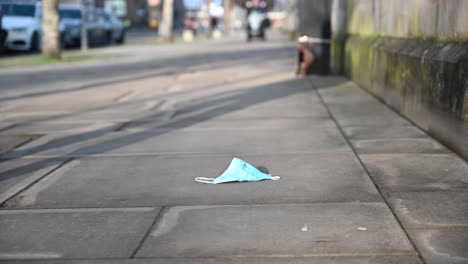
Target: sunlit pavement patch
(276, 230)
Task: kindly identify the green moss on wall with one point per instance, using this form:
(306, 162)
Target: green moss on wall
(359, 60)
(397, 73)
(338, 55)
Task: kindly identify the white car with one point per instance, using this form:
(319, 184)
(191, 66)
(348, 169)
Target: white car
(23, 24)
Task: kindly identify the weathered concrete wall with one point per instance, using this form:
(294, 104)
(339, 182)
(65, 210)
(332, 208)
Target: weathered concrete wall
(339, 35)
(413, 54)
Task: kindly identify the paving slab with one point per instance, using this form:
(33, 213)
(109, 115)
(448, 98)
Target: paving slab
(329, 83)
(354, 107)
(276, 230)
(280, 97)
(78, 102)
(361, 110)
(417, 172)
(301, 123)
(431, 209)
(5, 125)
(371, 119)
(346, 93)
(8, 143)
(105, 112)
(441, 246)
(244, 92)
(342, 95)
(337, 95)
(49, 127)
(378, 132)
(27, 116)
(67, 116)
(398, 145)
(171, 141)
(272, 260)
(85, 233)
(339, 90)
(281, 112)
(149, 181)
(15, 175)
(276, 109)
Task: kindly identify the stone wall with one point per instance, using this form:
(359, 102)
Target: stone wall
(413, 55)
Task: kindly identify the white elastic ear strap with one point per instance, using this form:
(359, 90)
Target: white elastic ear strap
(275, 178)
(204, 180)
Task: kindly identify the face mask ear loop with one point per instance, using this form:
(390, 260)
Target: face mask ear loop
(275, 178)
(204, 180)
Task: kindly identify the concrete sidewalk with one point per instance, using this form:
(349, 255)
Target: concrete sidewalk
(424, 183)
(107, 175)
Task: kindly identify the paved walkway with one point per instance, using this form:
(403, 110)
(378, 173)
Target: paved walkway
(105, 156)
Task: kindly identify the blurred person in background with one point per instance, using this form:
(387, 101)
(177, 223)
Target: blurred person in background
(257, 21)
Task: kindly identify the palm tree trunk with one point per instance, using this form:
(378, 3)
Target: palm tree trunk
(51, 47)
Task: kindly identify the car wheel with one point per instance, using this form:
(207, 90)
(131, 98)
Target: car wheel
(63, 45)
(34, 44)
(109, 39)
(3, 35)
(121, 39)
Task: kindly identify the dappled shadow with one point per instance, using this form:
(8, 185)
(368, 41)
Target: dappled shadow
(201, 110)
(156, 67)
(215, 106)
(117, 105)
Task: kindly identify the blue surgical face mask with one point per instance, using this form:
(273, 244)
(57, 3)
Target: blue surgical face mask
(239, 171)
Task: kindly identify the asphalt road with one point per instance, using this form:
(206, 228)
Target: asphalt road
(99, 161)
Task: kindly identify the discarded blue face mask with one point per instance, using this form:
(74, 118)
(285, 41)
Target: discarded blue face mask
(239, 171)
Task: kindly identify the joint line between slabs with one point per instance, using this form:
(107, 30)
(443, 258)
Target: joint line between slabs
(157, 218)
(30, 138)
(36, 181)
(7, 128)
(289, 256)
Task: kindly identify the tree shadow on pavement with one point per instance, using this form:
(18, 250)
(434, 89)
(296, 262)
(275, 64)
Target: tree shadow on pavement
(118, 105)
(201, 110)
(168, 66)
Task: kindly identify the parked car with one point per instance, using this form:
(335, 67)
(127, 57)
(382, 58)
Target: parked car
(22, 22)
(70, 24)
(114, 26)
(3, 32)
(23, 25)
